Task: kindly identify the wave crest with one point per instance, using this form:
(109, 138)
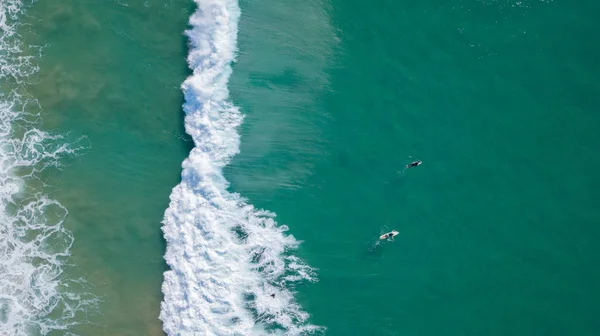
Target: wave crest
(230, 268)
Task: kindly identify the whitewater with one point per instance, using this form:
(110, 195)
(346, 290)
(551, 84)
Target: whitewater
(34, 245)
(231, 271)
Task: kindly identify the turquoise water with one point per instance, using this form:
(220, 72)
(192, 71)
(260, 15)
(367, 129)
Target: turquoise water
(112, 73)
(109, 81)
(497, 226)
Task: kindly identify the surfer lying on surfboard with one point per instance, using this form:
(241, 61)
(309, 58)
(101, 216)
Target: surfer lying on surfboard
(389, 235)
(413, 164)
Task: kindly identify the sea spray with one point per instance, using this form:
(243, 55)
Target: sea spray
(230, 268)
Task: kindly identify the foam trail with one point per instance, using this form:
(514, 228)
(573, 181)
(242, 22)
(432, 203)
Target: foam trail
(226, 258)
(33, 241)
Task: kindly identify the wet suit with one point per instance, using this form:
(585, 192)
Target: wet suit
(413, 164)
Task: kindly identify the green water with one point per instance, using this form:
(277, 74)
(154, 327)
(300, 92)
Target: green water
(498, 227)
(112, 73)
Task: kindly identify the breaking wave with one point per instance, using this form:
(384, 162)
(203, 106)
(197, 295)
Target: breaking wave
(231, 272)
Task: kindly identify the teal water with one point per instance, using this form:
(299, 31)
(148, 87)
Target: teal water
(110, 76)
(498, 227)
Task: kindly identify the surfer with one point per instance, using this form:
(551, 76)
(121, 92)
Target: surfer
(413, 164)
(389, 235)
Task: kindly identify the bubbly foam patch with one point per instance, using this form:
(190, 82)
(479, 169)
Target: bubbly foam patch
(33, 241)
(231, 271)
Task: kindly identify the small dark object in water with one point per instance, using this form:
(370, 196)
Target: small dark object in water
(273, 295)
(414, 164)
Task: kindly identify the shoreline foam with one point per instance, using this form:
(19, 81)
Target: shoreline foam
(34, 244)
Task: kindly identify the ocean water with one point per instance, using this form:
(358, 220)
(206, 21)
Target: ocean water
(34, 243)
(225, 168)
(105, 77)
(498, 98)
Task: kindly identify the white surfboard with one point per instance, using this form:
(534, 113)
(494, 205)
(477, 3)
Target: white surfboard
(387, 235)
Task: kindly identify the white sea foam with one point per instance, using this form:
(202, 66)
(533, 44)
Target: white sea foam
(33, 241)
(226, 257)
